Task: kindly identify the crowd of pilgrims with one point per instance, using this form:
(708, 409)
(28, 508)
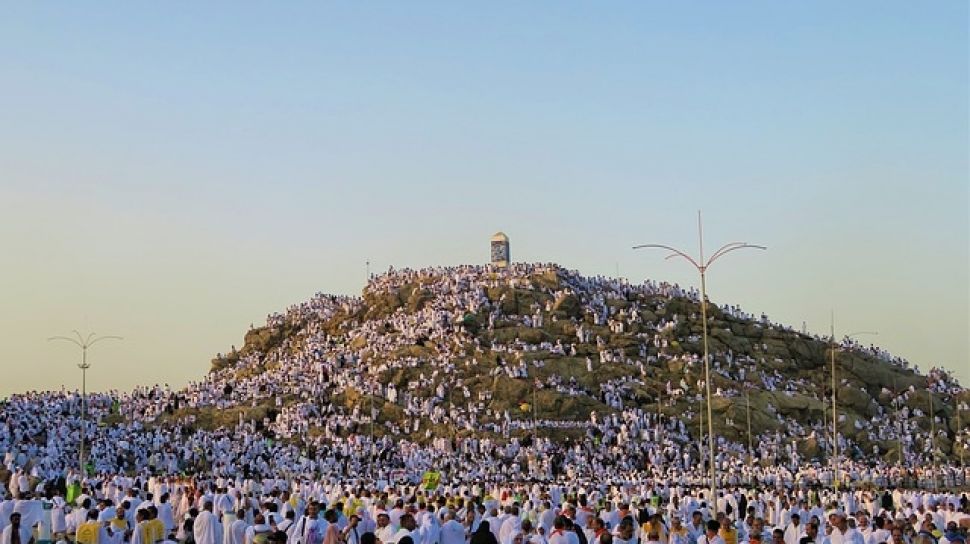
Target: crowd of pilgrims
(347, 344)
(119, 509)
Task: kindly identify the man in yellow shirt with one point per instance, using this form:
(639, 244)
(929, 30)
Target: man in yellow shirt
(656, 526)
(156, 529)
(728, 532)
(119, 525)
(89, 532)
(120, 521)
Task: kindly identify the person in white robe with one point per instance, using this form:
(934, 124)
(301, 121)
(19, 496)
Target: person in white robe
(385, 531)
(309, 529)
(237, 529)
(288, 524)
(207, 529)
(58, 519)
(138, 532)
(166, 514)
(408, 528)
(794, 531)
(452, 531)
(430, 529)
(15, 532)
(510, 527)
(256, 533)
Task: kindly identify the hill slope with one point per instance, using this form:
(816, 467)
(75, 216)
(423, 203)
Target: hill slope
(540, 349)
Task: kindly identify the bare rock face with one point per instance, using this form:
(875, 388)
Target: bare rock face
(568, 305)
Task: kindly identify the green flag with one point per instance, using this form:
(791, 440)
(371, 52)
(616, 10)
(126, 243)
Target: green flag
(430, 480)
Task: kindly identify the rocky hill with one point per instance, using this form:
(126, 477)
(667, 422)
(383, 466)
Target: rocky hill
(540, 349)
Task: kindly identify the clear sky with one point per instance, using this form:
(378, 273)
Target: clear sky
(172, 172)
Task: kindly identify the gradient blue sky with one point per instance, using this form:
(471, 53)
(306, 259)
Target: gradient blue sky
(172, 172)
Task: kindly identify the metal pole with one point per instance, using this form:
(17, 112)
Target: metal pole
(707, 365)
(702, 265)
(929, 394)
(835, 427)
(84, 404)
(84, 343)
(370, 459)
(837, 471)
(707, 386)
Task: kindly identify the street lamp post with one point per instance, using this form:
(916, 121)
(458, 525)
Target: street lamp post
(929, 394)
(370, 442)
(701, 265)
(835, 425)
(84, 343)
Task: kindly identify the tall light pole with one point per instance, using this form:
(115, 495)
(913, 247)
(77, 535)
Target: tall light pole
(84, 343)
(929, 394)
(702, 265)
(835, 424)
